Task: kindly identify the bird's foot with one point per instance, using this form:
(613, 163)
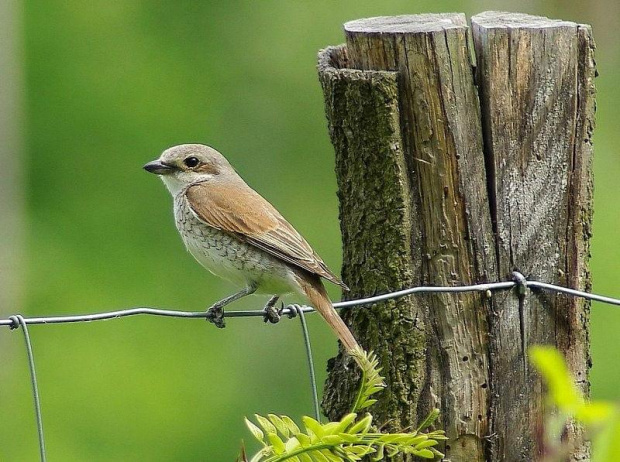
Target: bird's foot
(271, 314)
(215, 315)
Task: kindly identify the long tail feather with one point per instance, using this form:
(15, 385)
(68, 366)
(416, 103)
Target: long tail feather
(312, 287)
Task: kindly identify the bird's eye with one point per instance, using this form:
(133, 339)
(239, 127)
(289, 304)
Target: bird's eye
(191, 161)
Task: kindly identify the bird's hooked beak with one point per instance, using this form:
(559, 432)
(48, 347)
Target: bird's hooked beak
(158, 167)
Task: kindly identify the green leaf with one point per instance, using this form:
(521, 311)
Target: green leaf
(304, 439)
(380, 453)
(430, 419)
(425, 453)
(552, 366)
(371, 382)
(314, 426)
(361, 450)
(330, 455)
(437, 435)
(403, 438)
(256, 432)
(329, 428)
(345, 422)
(347, 438)
(426, 444)
(332, 440)
(264, 422)
(279, 424)
(276, 443)
(367, 403)
(375, 389)
(292, 426)
(417, 439)
(292, 444)
(601, 419)
(362, 426)
(596, 412)
(318, 456)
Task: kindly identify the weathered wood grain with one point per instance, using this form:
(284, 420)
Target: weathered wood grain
(441, 185)
(536, 87)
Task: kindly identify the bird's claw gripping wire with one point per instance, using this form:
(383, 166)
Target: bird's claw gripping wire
(271, 315)
(215, 315)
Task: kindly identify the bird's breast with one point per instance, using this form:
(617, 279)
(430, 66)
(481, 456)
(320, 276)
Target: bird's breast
(228, 257)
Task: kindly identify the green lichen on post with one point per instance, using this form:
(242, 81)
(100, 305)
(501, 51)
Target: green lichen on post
(375, 216)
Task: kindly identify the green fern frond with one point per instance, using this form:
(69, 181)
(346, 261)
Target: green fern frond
(349, 439)
(371, 382)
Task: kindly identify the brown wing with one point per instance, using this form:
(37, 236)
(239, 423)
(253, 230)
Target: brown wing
(252, 219)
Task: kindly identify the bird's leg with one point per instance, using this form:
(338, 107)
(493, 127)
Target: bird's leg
(215, 314)
(271, 314)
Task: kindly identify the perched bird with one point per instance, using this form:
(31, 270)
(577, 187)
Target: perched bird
(237, 235)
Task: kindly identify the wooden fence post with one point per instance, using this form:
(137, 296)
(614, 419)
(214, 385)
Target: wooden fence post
(436, 191)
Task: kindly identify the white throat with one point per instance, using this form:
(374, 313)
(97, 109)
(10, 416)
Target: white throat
(180, 181)
(174, 185)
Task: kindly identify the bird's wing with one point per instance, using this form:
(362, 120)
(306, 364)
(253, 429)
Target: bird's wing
(247, 215)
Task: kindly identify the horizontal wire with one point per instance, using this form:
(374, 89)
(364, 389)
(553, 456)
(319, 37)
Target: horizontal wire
(576, 293)
(307, 309)
(427, 289)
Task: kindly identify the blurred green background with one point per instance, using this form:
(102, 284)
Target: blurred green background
(106, 87)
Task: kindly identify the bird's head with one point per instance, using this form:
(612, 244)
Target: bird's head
(187, 164)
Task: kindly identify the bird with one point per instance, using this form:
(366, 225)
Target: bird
(236, 234)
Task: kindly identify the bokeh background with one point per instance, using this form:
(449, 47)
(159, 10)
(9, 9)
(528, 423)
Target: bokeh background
(90, 91)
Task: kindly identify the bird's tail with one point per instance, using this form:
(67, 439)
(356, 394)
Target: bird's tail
(312, 287)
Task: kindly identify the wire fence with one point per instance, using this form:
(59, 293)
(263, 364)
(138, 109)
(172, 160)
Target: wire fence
(518, 281)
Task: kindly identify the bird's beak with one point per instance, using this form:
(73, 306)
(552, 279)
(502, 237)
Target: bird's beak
(158, 167)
